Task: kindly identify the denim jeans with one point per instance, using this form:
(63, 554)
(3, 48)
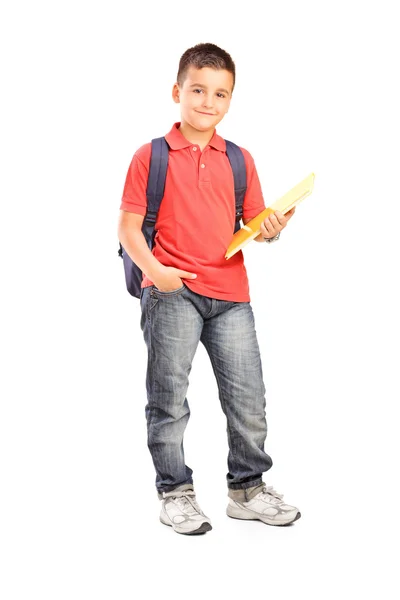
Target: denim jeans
(173, 323)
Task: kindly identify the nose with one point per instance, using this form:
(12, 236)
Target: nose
(208, 102)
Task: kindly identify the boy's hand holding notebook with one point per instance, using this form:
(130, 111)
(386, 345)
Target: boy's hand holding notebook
(252, 229)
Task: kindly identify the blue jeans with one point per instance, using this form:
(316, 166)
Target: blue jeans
(173, 323)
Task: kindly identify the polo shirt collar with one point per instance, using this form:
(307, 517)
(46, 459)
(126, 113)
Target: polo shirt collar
(177, 141)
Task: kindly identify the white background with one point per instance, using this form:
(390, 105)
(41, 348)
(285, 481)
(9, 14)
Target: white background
(86, 84)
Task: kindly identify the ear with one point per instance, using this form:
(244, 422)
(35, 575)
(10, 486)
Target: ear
(175, 93)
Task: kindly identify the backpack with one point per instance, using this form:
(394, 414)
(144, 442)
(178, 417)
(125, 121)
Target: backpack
(155, 193)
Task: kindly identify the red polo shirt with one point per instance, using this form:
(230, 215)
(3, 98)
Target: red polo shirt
(196, 219)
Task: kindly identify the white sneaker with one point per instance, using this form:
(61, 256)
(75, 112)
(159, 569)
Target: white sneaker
(266, 506)
(180, 511)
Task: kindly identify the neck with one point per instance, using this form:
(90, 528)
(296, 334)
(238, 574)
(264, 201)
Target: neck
(194, 135)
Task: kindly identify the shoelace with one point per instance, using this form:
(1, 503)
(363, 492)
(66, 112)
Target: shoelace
(269, 490)
(184, 500)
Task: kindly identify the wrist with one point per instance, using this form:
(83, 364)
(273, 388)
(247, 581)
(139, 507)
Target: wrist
(156, 271)
(259, 238)
(272, 239)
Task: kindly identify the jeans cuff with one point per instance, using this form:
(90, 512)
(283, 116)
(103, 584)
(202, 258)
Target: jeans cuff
(247, 491)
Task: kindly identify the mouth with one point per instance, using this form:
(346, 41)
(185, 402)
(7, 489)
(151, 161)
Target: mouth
(204, 113)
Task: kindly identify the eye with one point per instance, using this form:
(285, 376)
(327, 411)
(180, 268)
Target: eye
(219, 93)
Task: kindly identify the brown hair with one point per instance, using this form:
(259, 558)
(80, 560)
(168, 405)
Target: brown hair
(205, 55)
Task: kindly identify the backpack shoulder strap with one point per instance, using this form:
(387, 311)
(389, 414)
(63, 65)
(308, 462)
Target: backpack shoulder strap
(238, 165)
(157, 176)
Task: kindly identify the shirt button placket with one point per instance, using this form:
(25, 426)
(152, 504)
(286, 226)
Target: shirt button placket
(194, 149)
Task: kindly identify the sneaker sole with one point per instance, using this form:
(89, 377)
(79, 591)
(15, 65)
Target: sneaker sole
(249, 516)
(204, 527)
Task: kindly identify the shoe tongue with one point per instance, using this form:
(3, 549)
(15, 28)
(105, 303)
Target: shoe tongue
(188, 507)
(274, 500)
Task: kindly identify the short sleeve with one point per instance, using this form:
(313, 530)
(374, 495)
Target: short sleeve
(134, 193)
(253, 202)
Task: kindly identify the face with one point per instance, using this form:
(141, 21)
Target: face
(204, 97)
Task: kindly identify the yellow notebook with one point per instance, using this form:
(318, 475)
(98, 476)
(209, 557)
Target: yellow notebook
(252, 229)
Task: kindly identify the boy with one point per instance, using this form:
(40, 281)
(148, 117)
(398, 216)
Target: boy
(191, 293)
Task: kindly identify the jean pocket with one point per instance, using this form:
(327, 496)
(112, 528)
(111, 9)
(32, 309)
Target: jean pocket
(171, 293)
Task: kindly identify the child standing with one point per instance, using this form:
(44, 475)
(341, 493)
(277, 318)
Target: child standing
(191, 293)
